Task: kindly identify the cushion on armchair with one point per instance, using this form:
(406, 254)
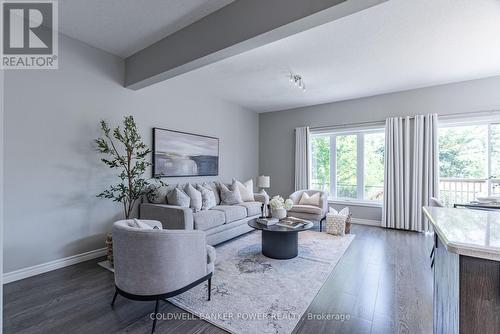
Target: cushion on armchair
(306, 209)
(310, 200)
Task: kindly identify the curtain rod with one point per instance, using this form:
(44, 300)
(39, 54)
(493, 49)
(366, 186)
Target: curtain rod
(379, 122)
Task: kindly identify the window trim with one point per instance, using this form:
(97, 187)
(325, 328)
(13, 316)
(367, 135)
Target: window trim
(454, 123)
(360, 164)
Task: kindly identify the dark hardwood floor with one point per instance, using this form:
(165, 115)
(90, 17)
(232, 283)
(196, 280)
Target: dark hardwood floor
(383, 284)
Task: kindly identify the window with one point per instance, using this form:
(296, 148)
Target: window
(469, 161)
(349, 165)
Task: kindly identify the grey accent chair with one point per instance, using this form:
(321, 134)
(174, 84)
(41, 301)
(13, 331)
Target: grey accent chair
(156, 264)
(309, 212)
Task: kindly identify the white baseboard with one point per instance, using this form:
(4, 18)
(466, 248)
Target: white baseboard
(52, 265)
(369, 222)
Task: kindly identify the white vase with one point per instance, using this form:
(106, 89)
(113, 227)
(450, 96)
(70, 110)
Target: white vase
(279, 213)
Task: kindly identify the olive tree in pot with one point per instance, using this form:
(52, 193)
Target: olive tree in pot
(126, 153)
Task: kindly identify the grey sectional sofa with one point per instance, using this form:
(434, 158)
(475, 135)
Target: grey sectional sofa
(220, 223)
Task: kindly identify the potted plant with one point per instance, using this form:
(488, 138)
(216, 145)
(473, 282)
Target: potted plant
(126, 153)
(279, 206)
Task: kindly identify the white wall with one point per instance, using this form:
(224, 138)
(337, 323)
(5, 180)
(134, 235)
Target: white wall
(52, 171)
(276, 148)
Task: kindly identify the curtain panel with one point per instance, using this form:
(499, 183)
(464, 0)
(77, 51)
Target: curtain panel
(411, 170)
(302, 158)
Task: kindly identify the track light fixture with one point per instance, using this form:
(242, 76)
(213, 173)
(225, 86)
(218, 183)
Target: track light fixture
(298, 81)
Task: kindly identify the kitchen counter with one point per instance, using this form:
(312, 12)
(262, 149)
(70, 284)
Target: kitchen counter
(466, 269)
(474, 233)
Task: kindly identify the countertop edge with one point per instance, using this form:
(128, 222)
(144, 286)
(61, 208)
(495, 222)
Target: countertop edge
(462, 249)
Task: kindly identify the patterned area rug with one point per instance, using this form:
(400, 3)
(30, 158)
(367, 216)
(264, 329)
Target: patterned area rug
(255, 294)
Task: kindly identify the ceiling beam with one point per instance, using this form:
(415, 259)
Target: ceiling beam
(238, 27)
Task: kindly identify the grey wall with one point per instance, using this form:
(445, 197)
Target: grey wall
(52, 171)
(276, 147)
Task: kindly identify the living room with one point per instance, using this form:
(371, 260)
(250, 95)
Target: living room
(353, 120)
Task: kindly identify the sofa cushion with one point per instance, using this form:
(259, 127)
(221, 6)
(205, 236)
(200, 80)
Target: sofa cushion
(225, 227)
(207, 197)
(246, 190)
(231, 212)
(253, 208)
(157, 193)
(229, 195)
(178, 197)
(195, 197)
(207, 219)
(306, 209)
(215, 189)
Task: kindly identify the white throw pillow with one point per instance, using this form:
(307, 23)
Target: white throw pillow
(335, 221)
(138, 224)
(310, 200)
(215, 189)
(207, 197)
(229, 196)
(343, 212)
(195, 196)
(178, 197)
(246, 190)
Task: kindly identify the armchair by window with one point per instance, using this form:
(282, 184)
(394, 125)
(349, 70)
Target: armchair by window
(309, 212)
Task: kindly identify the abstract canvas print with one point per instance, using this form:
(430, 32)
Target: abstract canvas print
(184, 154)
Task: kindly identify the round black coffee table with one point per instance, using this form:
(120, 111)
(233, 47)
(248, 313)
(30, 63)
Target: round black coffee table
(280, 242)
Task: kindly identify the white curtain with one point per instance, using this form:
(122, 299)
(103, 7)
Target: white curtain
(411, 170)
(301, 158)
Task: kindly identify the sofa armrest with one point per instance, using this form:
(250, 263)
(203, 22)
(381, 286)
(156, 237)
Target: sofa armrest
(172, 217)
(324, 203)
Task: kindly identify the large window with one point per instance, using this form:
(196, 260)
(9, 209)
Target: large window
(469, 161)
(349, 165)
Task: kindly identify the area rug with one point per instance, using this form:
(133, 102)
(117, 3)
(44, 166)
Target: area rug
(255, 294)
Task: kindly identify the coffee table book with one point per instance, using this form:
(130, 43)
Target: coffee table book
(267, 221)
(292, 222)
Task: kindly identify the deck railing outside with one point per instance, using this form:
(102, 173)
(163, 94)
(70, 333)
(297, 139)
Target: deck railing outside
(451, 190)
(460, 190)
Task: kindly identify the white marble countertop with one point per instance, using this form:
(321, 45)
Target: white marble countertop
(474, 233)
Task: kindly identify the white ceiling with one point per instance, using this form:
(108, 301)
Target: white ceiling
(395, 46)
(123, 27)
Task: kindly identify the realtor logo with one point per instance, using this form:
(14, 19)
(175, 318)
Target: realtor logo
(29, 35)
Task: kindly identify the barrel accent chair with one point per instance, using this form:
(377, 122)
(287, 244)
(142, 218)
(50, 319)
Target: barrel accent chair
(155, 264)
(307, 211)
